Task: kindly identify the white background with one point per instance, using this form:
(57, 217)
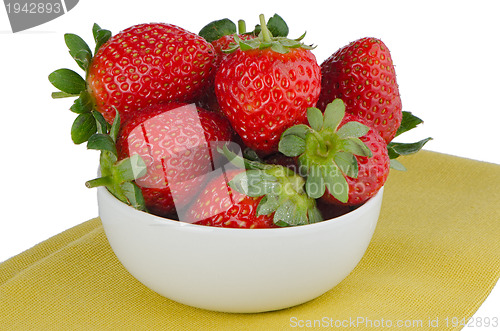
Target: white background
(445, 52)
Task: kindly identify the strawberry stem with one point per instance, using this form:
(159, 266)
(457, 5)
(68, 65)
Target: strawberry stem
(101, 181)
(323, 149)
(266, 35)
(242, 27)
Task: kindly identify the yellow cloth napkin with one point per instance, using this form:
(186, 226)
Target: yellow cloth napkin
(434, 258)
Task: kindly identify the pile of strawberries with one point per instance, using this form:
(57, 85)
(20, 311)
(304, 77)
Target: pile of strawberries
(233, 128)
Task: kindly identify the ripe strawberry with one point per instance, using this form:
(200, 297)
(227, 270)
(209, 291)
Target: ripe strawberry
(263, 196)
(362, 75)
(372, 171)
(146, 64)
(266, 86)
(219, 205)
(208, 100)
(345, 161)
(176, 143)
(142, 65)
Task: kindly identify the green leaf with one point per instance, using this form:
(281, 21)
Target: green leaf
(251, 155)
(240, 183)
(129, 169)
(284, 213)
(268, 205)
(67, 81)
(296, 211)
(277, 47)
(277, 26)
(396, 165)
(334, 113)
(299, 216)
(255, 183)
(352, 130)
(299, 130)
(347, 163)
(100, 36)
(217, 29)
(336, 183)
(83, 59)
(102, 125)
(314, 215)
(257, 30)
(100, 141)
(315, 184)
(115, 127)
(83, 128)
(76, 44)
(397, 149)
(292, 145)
(315, 118)
(245, 46)
(290, 43)
(83, 104)
(134, 196)
(301, 37)
(260, 183)
(355, 146)
(79, 50)
(232, 157)
(408, 122)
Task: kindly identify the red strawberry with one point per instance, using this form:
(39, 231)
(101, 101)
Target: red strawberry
(362, 75)
(208, 100)
(372, 171)
(176, 142)
(219, 205)
(266, 86)
(147, 64)
(345, 161)
(263, 196)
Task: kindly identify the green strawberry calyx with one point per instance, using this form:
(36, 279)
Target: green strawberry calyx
(282, 191)
(326, 153)
(71, 84)
(223, 27)
(117, 175)
(266, 40)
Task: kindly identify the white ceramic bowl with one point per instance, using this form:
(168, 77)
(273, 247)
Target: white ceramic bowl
(237, 270)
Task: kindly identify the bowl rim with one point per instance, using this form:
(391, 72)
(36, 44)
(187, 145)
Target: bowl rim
(147, 217)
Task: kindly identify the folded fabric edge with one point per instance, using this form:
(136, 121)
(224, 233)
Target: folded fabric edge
(424, 151)
(26, 259)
